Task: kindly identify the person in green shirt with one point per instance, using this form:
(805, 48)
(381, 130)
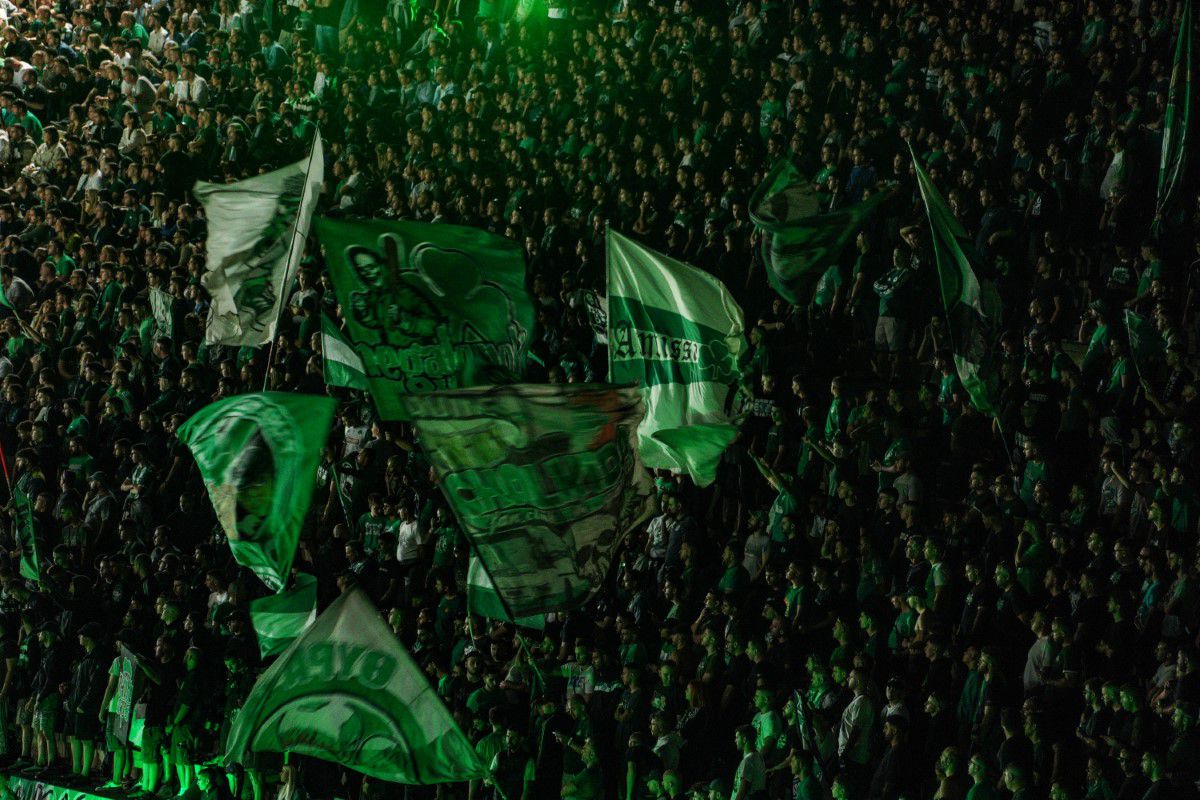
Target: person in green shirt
(983, 785)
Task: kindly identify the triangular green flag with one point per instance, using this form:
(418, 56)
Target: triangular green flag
(972, 306)
(1146, 344)
(676, 331)
(258, 456)
(429, 307)
(280, 618)
(1176, 135)
(798, 242)
(484, 600)
(342, 365)
(30, 566)
(347, 691)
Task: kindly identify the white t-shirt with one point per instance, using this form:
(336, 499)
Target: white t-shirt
(752, 769)
(858, 717)
(408, 542)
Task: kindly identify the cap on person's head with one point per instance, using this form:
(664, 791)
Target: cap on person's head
(98, 477)
(92, 630)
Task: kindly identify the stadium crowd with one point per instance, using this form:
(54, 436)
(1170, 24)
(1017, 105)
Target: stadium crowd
(886, 594)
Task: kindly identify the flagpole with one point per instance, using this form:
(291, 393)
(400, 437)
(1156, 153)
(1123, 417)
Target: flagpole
(508, 612)
(287, 271)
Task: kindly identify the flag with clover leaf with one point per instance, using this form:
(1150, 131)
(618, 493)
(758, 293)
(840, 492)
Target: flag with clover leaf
(428, 307)
(676, 331)
(347, 691)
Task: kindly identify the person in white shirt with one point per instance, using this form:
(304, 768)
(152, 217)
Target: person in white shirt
(750, 779)
(854, 729)
(91, 177)
(19, 68)
(158, 36)
(190, 86)
(409, 538)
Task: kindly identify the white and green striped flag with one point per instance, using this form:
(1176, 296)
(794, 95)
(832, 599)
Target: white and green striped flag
(484, 600)
(280, 618)
(675, 330)
(342, 365)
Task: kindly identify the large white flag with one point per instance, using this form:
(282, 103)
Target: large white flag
(256, 233)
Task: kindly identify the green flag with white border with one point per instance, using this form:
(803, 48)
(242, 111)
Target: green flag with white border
(341, 364)
(258, 456)
(347, 691)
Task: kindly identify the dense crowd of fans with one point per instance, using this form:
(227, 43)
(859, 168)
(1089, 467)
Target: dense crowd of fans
(886, 594)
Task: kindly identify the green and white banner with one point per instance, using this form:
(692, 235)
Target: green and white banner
(161, 306)
(429, 307)
(341, 364)
(544, 479)
(258, 456)
(677, 332)
(256, 233)
(484, 600)
(279, 618)
(347, 691)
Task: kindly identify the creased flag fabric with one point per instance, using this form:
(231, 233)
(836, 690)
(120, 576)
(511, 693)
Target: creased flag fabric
(1146, 346)
(1176, 133)
(342, 365)
(677, 332)
(161, 307)
(347, 691)
(798, 242)
(484, 600)
(30, 566)
(544, 479)
(279, 618)
(256, 233)
(258, 456)
(972, 306)
(429, 307)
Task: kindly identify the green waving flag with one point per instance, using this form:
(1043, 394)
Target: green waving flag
(341, 364)
(798, 242)
(258, 456)
(1146, 344)
(346, 691)
(280, 618)
(484, 600)
(1176, 135)
(677, 332)
(429, 307)
(30, 566)
(972, 306)
(545, 480)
